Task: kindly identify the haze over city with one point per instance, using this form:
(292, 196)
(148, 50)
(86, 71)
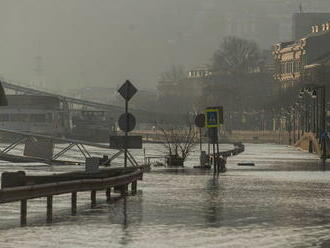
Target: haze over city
(164, 123)
(81, 43)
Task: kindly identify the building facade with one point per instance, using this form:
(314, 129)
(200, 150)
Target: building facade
(302, 23)
(292, 57)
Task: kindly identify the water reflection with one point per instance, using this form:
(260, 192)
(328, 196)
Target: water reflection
(213, 203)
(125, 238)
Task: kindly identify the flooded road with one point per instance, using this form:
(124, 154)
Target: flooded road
(283, 201)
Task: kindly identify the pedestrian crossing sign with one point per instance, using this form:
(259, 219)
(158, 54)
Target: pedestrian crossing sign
(212, 118)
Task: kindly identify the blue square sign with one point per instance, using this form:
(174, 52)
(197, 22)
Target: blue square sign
(212, 118)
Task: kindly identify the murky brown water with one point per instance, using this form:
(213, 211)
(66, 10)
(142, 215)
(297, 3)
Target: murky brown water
(284, 201)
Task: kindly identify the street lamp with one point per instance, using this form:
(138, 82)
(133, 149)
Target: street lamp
(316, 112)
(318, 92)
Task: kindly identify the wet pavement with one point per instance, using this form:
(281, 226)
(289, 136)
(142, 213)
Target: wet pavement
(282, 201)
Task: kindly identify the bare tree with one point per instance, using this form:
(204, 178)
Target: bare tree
(179, 142)
(236, 55)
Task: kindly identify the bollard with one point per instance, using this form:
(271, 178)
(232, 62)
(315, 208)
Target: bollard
(23, 212)
(134, 187)
(108, 194)
(49, 209)
(93, 198)
(73, 203)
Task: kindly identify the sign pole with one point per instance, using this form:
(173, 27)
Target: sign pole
(126, 121)
(218, 151)
(218, 135)
(214, 157)
(200, 139)
(208, 152)
(126, 134)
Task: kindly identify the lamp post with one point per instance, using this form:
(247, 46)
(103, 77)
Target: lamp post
(304, 114)
(318, 92)
(324, 134)
(293, 119)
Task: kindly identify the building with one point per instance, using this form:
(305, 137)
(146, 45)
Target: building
(199, 72)
(302, 23)
(291, 57)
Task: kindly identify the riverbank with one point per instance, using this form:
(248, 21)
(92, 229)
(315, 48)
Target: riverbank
(256, 137)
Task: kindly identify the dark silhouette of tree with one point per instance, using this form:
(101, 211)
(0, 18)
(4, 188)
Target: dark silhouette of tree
(236, 55)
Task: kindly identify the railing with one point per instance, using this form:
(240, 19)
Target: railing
(238, 148)
(23, 193)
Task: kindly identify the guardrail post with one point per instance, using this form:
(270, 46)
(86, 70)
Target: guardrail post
(73, 203)
(49, 209)
(93, 198)
(108, 194)
(23, 212)
(134, 187)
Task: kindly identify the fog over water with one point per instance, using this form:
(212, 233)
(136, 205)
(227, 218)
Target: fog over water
(78, 43)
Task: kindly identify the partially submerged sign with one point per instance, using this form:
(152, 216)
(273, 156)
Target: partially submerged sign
(39, 148)
(132, 142)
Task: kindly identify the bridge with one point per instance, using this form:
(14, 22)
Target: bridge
(77, 104)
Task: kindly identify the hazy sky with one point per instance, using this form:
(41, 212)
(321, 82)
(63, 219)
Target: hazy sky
(77, 43)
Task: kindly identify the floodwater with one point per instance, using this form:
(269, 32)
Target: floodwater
(283, 201)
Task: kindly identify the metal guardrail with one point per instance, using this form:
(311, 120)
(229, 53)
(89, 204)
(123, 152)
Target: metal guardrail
(24, 193)
(42, 190)
(239, 148)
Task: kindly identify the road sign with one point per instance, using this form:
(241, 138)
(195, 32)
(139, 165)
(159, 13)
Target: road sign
(200, 120)
(212, 118)
(132, 142)
(127, 90)
(126, 122)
